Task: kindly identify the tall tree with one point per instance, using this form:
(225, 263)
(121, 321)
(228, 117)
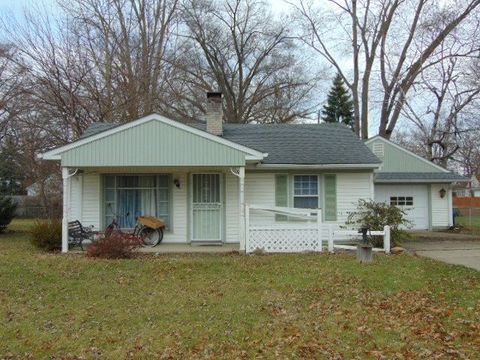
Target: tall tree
(445, 109)
(239, 48)
(339, 107)
(11, 169)
(388, 45)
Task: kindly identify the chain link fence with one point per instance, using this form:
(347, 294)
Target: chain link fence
(467, 219)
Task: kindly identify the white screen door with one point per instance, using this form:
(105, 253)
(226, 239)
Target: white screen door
(207, 207)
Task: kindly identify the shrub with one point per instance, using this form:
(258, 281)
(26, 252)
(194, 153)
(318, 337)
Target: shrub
(47, 234)
(117, 245)
(7, 212)
(375, 215)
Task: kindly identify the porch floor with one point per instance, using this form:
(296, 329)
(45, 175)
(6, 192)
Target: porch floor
(187, 248)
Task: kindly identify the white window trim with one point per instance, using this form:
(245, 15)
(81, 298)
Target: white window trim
(293, 195)
(115, 188)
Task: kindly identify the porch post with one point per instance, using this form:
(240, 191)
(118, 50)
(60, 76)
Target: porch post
(241, 204)
(66, 201)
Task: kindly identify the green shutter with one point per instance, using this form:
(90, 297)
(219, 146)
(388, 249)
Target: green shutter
(281, 194)
(330, 197)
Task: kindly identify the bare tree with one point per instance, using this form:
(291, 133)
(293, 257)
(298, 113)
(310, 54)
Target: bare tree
(11, 86)
(468, 155)
(446, 92)
(237, 47)
(386, 45)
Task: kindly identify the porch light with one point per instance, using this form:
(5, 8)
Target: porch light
(442, 192)
(176, 182)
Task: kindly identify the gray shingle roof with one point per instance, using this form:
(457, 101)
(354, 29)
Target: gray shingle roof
(301, 143)
(422, 177)
(97, 127)
(290, 143)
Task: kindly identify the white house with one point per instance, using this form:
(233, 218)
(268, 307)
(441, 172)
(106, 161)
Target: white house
(199, 177)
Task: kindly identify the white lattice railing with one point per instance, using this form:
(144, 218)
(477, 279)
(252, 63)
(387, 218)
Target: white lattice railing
(300, 232)
(354, 234)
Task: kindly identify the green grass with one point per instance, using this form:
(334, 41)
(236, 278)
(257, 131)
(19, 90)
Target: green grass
(470, 223)
(233, 306)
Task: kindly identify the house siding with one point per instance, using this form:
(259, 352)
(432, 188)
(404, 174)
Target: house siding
(75, 207)
(86, 204)
(351, 188)
(259, 190)
(396, 160)
(440, 209)
(91, 200)
(232, 209)
(140, 146)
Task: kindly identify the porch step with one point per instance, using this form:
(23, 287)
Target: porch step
(206, 243)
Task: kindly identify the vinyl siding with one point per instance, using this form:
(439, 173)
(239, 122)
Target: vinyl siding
(260, 190)
(396, 160)
(91, 199)
(153, 144)
(350, 188)
(232, 218)
(179, 209)
(75, 207)
(440, 208)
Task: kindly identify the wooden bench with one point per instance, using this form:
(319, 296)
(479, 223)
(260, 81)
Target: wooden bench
(77, 233)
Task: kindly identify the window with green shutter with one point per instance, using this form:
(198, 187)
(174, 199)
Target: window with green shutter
(281, 194)
(330, 196)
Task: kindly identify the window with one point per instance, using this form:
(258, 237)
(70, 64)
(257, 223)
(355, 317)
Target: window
(305, 191)
(401, 200)
(128, 196)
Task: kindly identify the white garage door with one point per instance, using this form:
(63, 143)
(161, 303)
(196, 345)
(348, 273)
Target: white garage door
(412, 198)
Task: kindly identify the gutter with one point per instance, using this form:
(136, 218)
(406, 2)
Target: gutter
(413, 181)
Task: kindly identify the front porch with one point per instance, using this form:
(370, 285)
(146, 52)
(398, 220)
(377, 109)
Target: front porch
(202, 207)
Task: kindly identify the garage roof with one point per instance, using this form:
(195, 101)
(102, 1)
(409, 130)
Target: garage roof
(427, 177)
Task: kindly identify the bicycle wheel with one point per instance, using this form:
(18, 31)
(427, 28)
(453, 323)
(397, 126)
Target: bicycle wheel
(151, 237)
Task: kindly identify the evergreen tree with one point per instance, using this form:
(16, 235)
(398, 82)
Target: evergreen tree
(11, 172)
(339, 107)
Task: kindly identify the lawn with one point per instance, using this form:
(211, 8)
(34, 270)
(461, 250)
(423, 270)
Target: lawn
(233, 306)
(471, 224)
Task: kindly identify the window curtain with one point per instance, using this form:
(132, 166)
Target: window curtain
(148, 198)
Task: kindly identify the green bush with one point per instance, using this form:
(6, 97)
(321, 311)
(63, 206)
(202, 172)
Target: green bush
(47, 234)
(7, 212)
(375, 215)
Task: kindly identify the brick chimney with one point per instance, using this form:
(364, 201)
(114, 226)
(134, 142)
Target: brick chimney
(214, 113)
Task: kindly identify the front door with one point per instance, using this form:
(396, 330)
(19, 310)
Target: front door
(206, 207)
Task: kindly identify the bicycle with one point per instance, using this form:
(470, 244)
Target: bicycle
(148, 228)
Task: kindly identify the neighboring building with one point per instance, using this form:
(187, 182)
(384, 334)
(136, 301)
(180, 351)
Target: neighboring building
(468, 188)
(199, 177)
(52, 187)
(419, 186)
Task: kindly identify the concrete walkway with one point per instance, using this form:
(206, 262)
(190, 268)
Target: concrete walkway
(456, 249)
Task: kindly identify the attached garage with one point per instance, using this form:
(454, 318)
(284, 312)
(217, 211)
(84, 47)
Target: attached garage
(417, 185)
(412, 198)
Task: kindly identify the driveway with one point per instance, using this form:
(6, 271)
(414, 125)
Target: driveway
(450, 248)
